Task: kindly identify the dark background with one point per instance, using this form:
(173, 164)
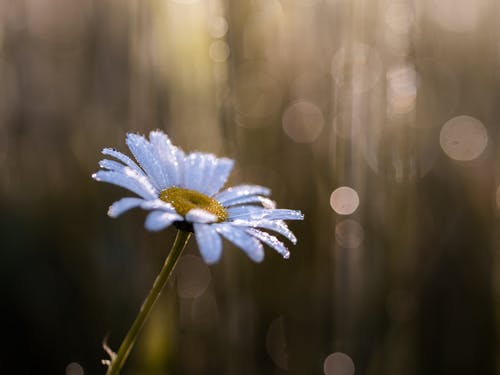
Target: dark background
(306, 96)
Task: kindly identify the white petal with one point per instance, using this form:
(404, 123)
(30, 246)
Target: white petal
(168, 156)
(209, 242)
(250, 245)
(181, 161)
(277, 226)
(112, 165)
(124, 204)
(283, 214)
(158, 220)
(243, 212)
(266, 202)
(271, 241)
(158, 204)
(194, 167)
(115, 166)
(206, 171)
(123, 158)
(219, 176)
(130, 180)
(256, 213)
(197, 215)
(240, 191)
(144, 153)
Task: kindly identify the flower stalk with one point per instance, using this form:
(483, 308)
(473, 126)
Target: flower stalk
(118, 360)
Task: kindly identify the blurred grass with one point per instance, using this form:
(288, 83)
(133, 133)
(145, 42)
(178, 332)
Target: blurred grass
(366, 87)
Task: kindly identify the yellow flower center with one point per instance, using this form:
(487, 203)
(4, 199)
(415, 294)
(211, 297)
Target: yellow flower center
(184, 200)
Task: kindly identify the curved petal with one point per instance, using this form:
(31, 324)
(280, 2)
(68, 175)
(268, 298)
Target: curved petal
(128, 179)
(243, 212)
(209, 242)
(168, 155)
(282, 214)
(158, 204)
(197, 215)
(250, 245)
(277, 226)
(158, 220)
(257, 213)
(271, 241)
(144, 153)
(219, 176)
(181, 162)
(123, 158)
(194, 168)
(206, 173)
(124, 204)
(241, 191)
(265, 202)
(113, 165)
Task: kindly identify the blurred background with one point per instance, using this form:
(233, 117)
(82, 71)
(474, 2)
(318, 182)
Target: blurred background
(377, 118)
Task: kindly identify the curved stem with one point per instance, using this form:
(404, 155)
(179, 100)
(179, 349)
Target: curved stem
(128, 342)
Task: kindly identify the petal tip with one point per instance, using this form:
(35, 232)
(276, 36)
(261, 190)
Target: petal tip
(258, 259)
(112, 213)
(107, 150)
(211, 262)
(132, 137)
(198, 215)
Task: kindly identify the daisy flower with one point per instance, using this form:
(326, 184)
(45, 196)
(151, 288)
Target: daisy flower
(184, 190)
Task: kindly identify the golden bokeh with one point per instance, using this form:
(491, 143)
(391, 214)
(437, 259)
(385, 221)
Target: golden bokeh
(378, 119)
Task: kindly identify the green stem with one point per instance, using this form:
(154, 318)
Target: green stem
(179, 244)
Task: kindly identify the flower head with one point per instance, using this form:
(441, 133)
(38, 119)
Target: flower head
(185, 190)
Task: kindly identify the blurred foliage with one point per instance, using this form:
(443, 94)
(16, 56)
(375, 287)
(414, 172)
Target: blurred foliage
(306, 96)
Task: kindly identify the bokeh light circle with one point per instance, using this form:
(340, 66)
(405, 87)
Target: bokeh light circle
(303, 121)
(338, 364)
(349, 234)
(344, 200)
(74, 369)
(193, 276)
(463, 138)
(218, 27)
(219, 51)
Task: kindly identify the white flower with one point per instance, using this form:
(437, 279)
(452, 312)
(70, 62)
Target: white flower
(185, 190)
